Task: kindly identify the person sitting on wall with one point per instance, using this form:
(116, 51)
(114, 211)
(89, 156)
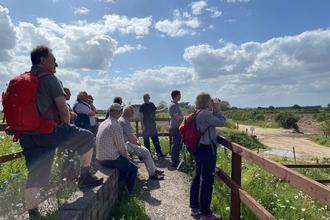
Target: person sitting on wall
(134, 147)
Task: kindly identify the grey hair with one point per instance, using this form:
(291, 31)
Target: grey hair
(80, 94)
(126, 108)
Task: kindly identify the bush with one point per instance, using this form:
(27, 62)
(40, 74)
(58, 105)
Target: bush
(287, 120)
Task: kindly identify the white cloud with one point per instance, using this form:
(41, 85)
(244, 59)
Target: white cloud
(128, 48)
(81, 10)
(180, 26)
(286, 66)
(7, 35)
(197, 7)
(214, 12)
(138, 26)
(211, 27)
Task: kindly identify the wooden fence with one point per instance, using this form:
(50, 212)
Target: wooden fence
(311, 187)
(13, 156)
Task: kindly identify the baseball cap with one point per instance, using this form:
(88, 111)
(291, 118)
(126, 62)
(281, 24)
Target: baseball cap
(115, 107)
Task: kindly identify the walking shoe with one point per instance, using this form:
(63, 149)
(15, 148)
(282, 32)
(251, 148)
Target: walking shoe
(211, 217)
(156, 177)
(194, 211)
(161, 155)
(160, 172)
(89, 180)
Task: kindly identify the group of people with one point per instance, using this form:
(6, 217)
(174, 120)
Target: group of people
(113, 142)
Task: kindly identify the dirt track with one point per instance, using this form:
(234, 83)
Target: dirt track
(282, 141)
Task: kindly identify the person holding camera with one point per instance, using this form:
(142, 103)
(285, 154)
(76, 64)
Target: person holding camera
(205, 156)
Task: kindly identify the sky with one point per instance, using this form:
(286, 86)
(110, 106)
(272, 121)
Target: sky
(251, 53)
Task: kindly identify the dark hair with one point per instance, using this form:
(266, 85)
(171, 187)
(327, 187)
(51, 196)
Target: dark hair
(118, 100)
(38, 52)
(175, 93)
(201, 100)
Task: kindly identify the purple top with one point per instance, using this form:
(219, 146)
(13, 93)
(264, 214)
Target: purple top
(206, 119)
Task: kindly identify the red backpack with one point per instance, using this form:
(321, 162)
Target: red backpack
(189, 132)
(20, 107)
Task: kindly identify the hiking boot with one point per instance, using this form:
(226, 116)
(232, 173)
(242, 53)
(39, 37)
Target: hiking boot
(210, 217)
(159, 172)
(156, 177)
(89, 180)
(161, 155)
(194, 211)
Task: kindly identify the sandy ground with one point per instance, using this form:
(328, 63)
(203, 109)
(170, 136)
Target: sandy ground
(283, 142)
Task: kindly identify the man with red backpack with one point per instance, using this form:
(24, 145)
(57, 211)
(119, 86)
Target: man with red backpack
(39, 148)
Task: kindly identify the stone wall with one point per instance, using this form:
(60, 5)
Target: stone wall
(93, 203)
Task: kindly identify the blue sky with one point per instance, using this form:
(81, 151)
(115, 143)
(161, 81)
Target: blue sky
(248, 52)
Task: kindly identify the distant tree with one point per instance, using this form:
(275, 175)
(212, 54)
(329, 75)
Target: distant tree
(234, 108)
(184, 105)
(259, 108)
(162, 104)
(224, 105)
(295, 106)
(271, 107)
(329, 105)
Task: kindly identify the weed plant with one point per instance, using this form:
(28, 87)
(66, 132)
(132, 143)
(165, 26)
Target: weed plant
(321, 139)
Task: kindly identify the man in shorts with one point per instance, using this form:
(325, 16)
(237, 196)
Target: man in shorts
(39, 149)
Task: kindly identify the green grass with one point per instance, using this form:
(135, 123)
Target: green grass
(321, 139)
(261, 124)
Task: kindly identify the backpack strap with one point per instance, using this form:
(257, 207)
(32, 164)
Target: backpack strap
(52, 106)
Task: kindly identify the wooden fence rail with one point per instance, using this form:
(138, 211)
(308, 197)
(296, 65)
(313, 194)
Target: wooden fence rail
(16, 155)
(312, 188)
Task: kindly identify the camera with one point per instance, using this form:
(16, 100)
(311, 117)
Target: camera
(215, 100)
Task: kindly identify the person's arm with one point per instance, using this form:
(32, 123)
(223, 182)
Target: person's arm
(119, 142)
(141, 120)
(83, 109)
(63, 109)
(133, 139)
(161, 110)
(178, 117)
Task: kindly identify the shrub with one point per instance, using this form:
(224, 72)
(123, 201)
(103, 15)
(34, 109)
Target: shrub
(287, 120)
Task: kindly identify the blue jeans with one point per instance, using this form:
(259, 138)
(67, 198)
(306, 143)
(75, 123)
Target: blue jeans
(176, 147)
(128, 170)
(150, 130)
(202, 183)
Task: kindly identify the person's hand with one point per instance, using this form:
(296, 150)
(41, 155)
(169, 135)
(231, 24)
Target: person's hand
(216, 104)
(73, 115)
(165, 108)
(142, 128)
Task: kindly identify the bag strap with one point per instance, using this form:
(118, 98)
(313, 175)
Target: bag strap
(208, 131)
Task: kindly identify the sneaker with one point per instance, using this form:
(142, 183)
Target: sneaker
(210, 217)
(161, 155)
(159, 172)
(156, 177)
(194, 211)
(89, 180)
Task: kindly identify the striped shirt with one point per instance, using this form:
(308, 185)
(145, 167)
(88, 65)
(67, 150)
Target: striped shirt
(110, 140)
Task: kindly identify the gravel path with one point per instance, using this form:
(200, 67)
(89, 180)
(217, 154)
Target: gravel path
(168, 198)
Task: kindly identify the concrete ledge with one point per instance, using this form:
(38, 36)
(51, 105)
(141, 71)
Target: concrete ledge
(93, 203)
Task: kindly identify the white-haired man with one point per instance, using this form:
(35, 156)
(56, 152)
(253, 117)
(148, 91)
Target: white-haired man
(134, 146)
